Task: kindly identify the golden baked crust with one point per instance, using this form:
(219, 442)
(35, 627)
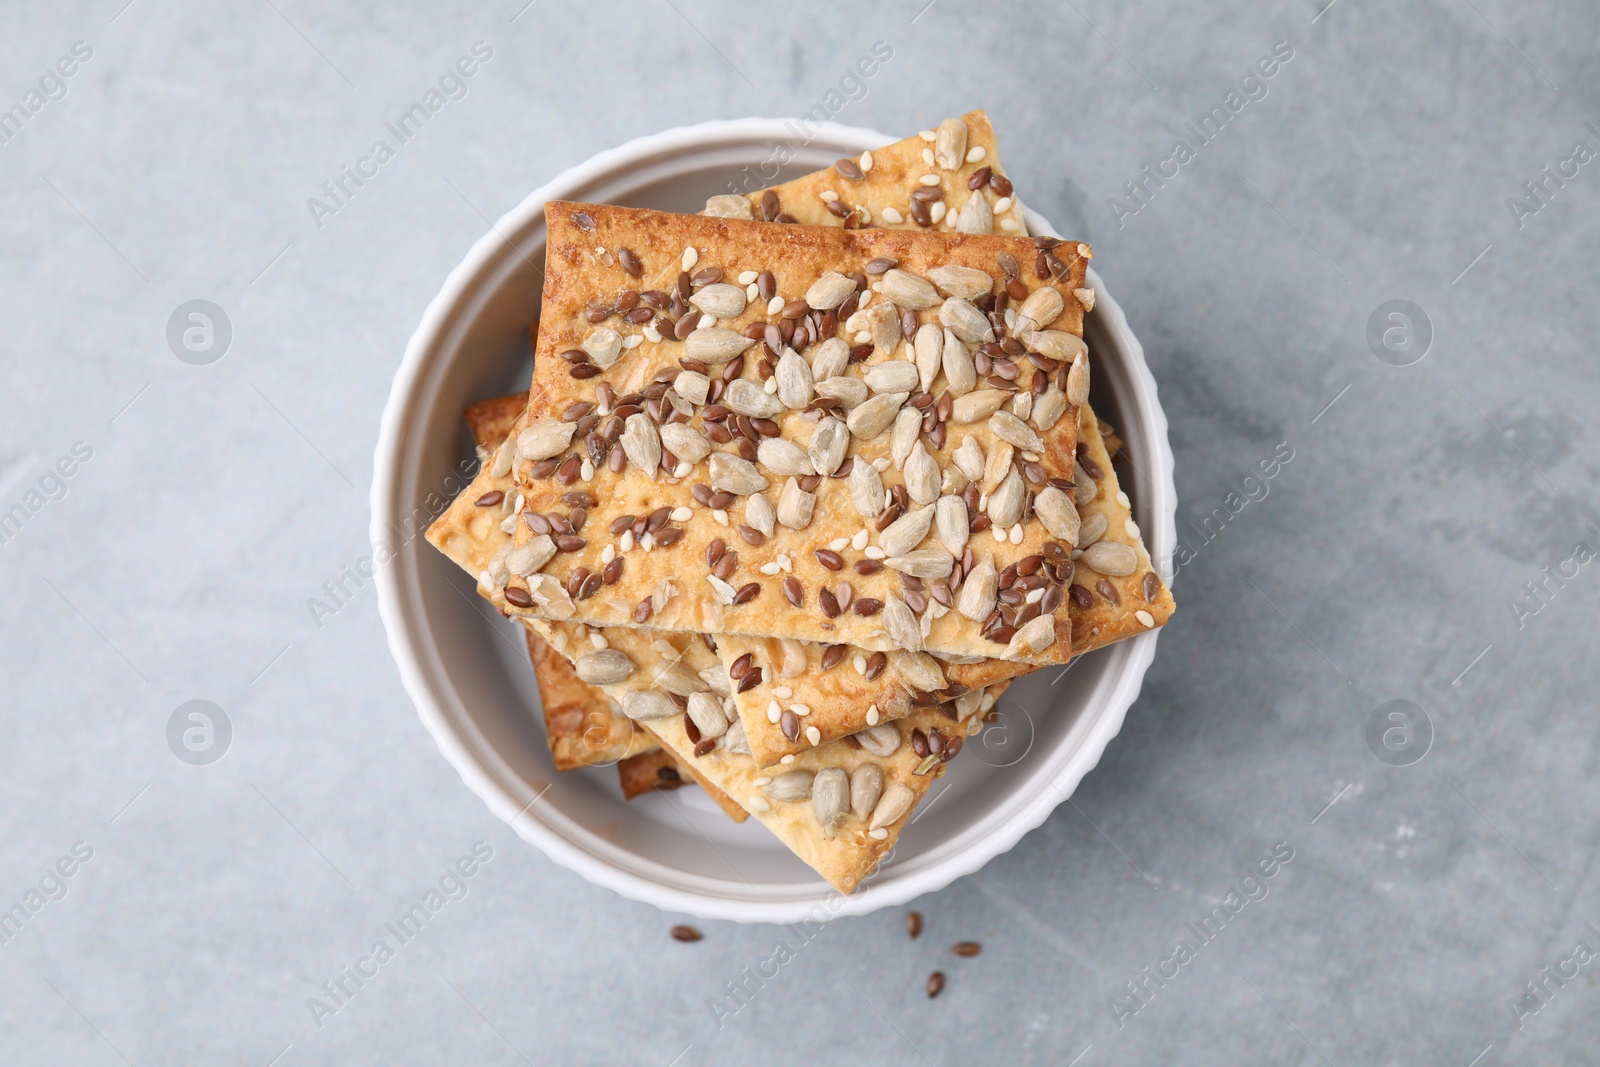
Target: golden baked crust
(656, 771)
(878, 191)
(583, 238)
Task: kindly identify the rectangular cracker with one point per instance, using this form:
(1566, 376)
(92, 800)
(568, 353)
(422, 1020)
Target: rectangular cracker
(582, 267)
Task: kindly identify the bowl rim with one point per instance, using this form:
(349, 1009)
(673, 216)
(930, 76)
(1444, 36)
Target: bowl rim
(415, 663)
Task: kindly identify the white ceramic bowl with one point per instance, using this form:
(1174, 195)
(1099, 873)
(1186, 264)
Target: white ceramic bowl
(465, 667)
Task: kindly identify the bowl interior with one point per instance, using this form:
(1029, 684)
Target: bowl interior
(469, 665)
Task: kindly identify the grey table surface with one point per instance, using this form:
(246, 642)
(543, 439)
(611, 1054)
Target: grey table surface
(1386, 160)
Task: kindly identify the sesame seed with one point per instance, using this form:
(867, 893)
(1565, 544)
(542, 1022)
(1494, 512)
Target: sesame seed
(872, 715)
(828, 195)
(865, 162)
(927, 135)
(893, 217)
(1122, 498)
(1011, 314)
(785, 564)
(859, 541)
(633, 341)
(608, 553)
(681, 514)
(787, 759)
(874, 552)
(690, 258)
(1131, 527)
(771, 385)
(706, 322)
(774, 713)
(800, 709)
(783, 691)
(1145, 617)
(1034, 596)
(929, 179)
(1016, 534)
(866, 295)
(769, 569)
(586, 471)
(839, 544)
(865, 213)
(759, 804)
(881, 464)
(682, 469)
(763, 780)
(598, 640)
(752, 292)
(1009, 224)
(648, 541)
(999, 533)
(746, 277)
(625, 542)
(813, 735)
(775, 305)
(721, 516)
(652, 335)
(976, 153)
(880, 834)
(862, 338)
(859, 663)
(936, 212)
(1002, 205)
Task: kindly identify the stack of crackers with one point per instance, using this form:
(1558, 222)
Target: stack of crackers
(800, 485)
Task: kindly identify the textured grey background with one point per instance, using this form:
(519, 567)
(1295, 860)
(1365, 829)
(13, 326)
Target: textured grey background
(1382, 565)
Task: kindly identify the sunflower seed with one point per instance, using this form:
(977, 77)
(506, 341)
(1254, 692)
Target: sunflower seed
(603, 345)
(850, 392)
(1048, 408)
(962, 318)
(907, 428)
(715, 344)
(728, 206)
(736, 475)
(866, 786)
(1042, 307)
(893, 376)
(1087, 489)
(1005, 503)
(873, 416)
(918, 670)
(678, 679)
(896, 801)
(1078, 379)
(976, 215)
(883, 324)
(748, 398)
(950, 144)
(830, 798)
(830, 358)
(544, 439)
(901, 625)
(736, 740)
(922, 475)
(969, 283)
(642, 443)
(717, 678)
(928, 564)
(1092, 530)
(866, 490)
(828, 444)
(791, 785)
(997, 465)
(906, 532)
(795, 384)
(648, 704)
(829, 291)
(551, 597)
(1085, 297)
(795, 506)
(1108, 557)
(1014, 431)
(882, 740)
(759, 514)
(950, 523)
(530, 556)
(721, 300)
(1033, 638)
(959, 370)
(692, 386)
(783, 458)
(976, 406)
(1052, 344)
(605, 667)
(969, 458)
(685, 442)
(705, 711)
(978, 591)
(908, 291)
(1055, 510)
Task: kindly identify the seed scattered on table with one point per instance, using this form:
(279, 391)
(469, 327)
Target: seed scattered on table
(935, 984)
(686, 933)
(966, 949)
(913, 924)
